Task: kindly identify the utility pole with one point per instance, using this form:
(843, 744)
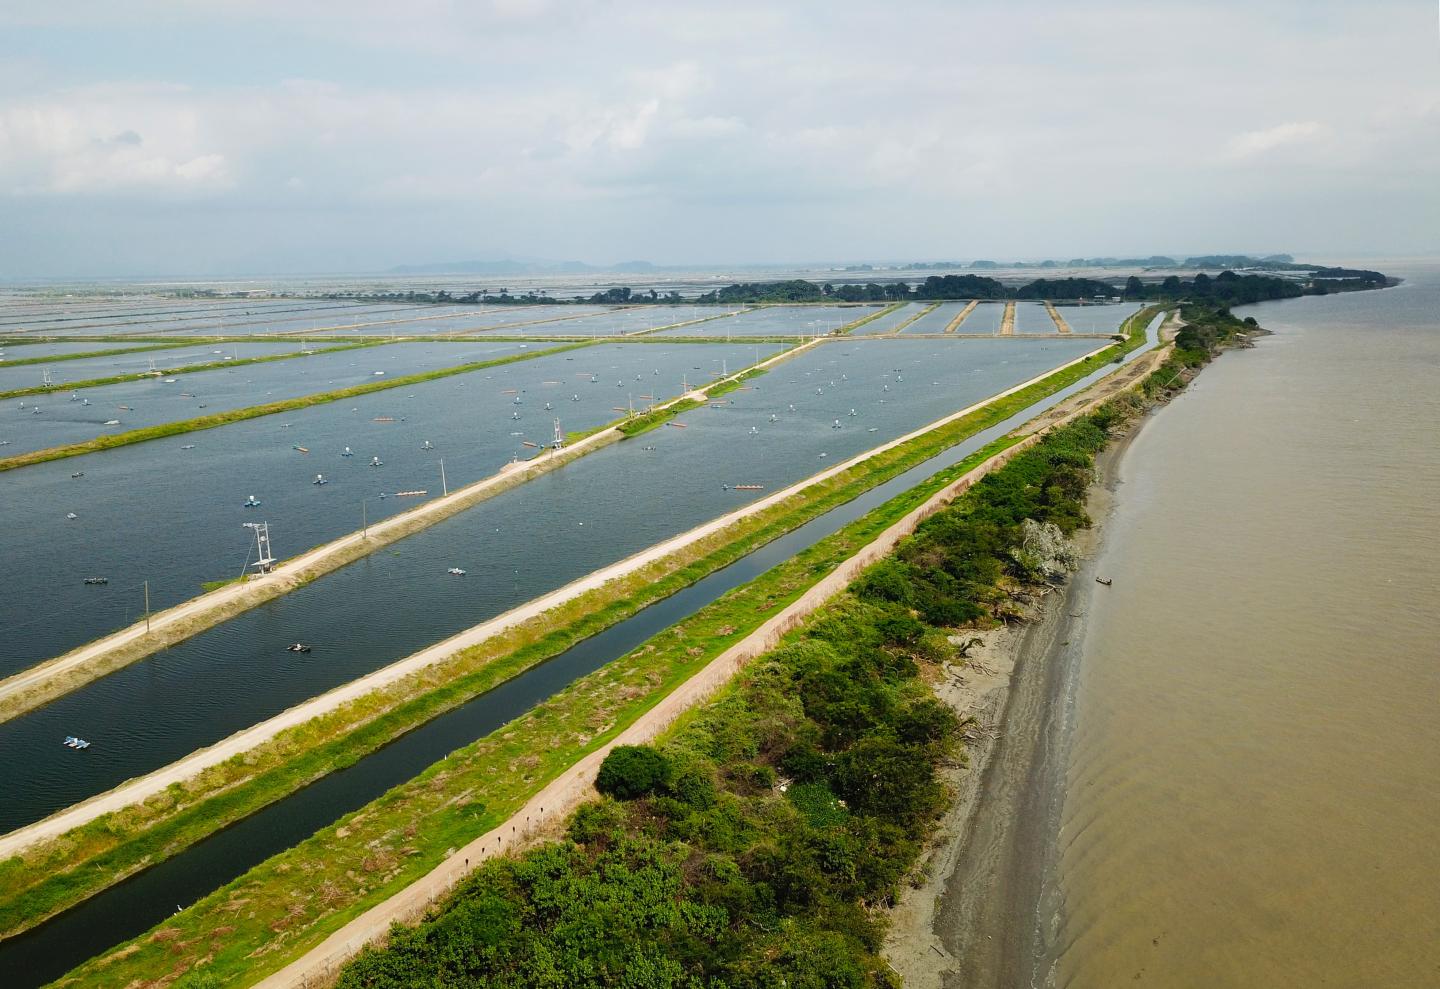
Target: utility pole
(147, 607)
(444, 488)
(364, 520)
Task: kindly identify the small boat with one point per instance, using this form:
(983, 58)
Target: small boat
(112, 422)
(75, 743)
(456, 571)
(837, 424)
(377, 373)
(300, 449)
(124, 408)
(78, 473)
(1104, 580)
(530, 444)
(677, 425)
(410, 494)
(347, 452)
(747, 487)
(169, 381)
(188, 446)
(319, 479)
(97, 580)
(375, 462)
(297, 647)
(383, 419)
(71, 515)
(252, 502)
(427, 445)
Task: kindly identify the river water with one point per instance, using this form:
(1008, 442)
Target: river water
(1250, 791)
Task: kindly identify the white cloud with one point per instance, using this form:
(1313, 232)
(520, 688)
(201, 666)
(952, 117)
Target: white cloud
(1260, 142)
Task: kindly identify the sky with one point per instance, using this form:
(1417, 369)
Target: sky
(221, 137)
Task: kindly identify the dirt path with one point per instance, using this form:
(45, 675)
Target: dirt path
(142, 787)
(954, 324)
(45, 681)
(1060, 324)
(1007, 321)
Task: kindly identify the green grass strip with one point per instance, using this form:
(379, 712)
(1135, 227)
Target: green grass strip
(59, 890)
(183, 369)
(256, 411)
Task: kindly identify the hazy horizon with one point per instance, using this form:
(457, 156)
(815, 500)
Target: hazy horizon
(224, 139)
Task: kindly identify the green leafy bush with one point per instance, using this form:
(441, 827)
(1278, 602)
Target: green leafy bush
(631, 771)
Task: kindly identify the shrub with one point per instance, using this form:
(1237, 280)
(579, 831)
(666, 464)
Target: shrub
(631, 771)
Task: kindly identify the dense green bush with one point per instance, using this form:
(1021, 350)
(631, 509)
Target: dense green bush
(631, 771)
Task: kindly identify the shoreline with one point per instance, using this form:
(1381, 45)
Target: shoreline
(954, 926)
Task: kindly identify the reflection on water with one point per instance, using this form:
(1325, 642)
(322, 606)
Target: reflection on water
(1251, 795)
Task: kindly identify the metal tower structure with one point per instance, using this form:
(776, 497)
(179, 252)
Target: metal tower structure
(264, 561)
(559, 440)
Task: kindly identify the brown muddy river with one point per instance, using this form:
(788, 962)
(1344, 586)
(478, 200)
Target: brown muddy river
(1252, 786)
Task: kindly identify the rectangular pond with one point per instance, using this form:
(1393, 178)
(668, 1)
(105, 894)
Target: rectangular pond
(777, 321)
(85, 368)
(1032, 317)
(199, 322)
(936, 320)
(809, 413)
(1098, 319)
(986, 318)
(888, 322)
(24, 350)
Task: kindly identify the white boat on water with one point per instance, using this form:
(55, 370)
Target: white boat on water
(75, 743)
(456, 571)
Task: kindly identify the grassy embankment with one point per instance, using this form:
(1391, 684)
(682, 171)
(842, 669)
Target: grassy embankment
(255, 411)
(117, 379)
(536, 644)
